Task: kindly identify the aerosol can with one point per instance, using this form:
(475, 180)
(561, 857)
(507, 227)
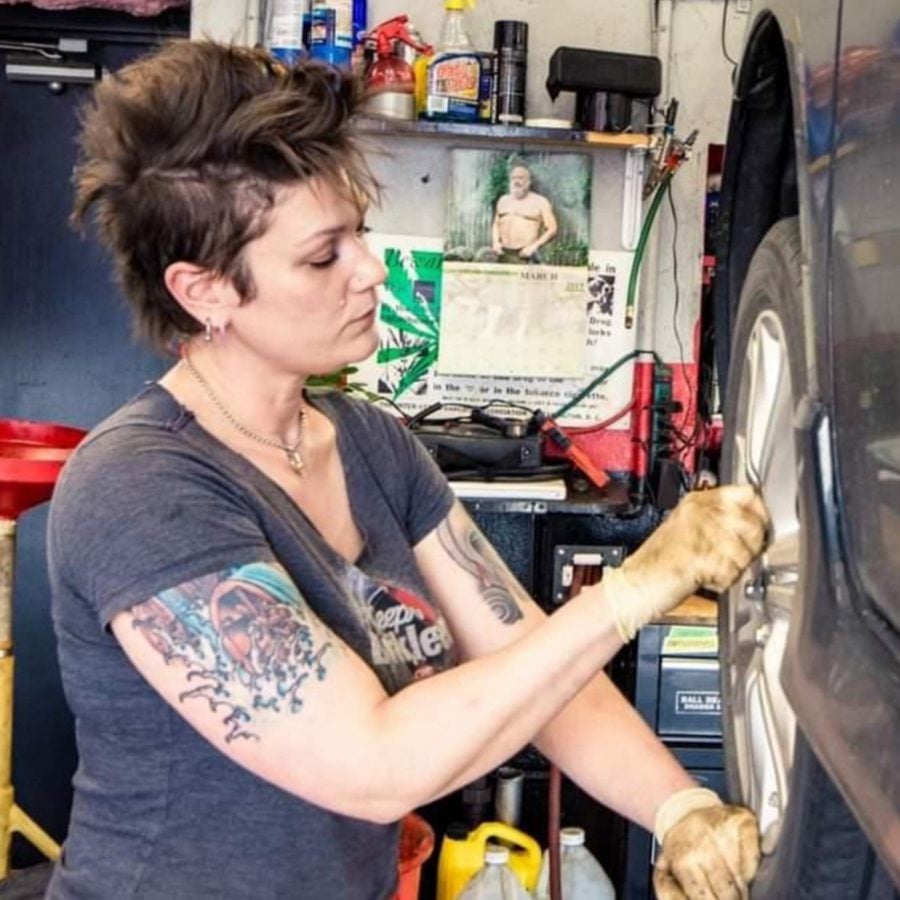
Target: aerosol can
(390, 82)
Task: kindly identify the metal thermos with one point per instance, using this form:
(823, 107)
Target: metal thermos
(511, 45)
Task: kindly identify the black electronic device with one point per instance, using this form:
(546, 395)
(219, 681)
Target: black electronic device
(480, 449)
(605, 85)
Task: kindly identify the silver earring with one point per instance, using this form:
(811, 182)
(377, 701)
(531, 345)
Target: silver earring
(208, 332)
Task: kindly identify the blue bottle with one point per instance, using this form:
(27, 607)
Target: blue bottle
(283, 33)
(331, 31)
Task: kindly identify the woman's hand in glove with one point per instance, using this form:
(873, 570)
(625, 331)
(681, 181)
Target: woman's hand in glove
(710, 851)
(706, 542)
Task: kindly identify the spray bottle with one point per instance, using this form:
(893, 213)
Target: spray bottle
(459, 78)
(390, 82)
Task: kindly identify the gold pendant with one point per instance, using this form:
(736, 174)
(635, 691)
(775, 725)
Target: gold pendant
(295, 461)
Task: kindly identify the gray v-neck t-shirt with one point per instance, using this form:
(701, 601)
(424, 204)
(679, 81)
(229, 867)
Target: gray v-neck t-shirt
(151, 500)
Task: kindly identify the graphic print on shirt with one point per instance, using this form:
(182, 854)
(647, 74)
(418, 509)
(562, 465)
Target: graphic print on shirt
(244, 638)
(408, 637)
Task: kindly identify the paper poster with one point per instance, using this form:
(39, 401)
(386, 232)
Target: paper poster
(404, 368)
(515, 249)
(512, 320)
(518, 208)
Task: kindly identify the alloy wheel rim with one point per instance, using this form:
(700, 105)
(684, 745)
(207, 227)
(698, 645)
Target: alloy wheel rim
(760, 604)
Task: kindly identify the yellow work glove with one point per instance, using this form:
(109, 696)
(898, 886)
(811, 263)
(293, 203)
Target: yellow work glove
(705, 542)
(710, 851)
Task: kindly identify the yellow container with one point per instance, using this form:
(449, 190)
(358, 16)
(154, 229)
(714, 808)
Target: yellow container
(420, 76)
(462, 855)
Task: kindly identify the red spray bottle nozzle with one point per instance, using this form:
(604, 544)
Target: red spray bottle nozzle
(390, 72)
(395, 30)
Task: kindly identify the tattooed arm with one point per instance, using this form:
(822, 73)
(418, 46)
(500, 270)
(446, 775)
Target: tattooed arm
(243, 658)
(598, 738)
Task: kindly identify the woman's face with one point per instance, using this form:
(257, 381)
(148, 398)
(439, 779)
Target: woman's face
(315, 305)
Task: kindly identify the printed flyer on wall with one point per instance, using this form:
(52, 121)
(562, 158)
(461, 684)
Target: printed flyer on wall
(405, 371)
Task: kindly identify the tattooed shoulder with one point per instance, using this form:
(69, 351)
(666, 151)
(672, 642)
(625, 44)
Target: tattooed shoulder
(246, 639)
(472, 551)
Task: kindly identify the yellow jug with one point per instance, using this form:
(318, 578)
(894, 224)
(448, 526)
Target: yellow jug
(462, 855)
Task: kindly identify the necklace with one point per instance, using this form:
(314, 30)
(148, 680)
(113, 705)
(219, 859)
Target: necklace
(292, 451)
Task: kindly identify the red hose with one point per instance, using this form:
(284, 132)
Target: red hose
(553, 806)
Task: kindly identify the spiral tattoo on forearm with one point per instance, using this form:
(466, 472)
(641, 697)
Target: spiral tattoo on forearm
(476, 556)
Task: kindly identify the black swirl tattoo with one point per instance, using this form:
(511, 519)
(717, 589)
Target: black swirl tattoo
(474, 554)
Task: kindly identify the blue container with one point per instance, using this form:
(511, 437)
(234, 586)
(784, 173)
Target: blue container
(331, 32)
(360, 21)
(283, 36)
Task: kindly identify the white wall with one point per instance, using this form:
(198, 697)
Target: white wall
(698, 75)
(621, 25)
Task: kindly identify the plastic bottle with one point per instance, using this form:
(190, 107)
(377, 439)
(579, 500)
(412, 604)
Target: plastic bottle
(360, 21)
(581, 876)
(495, 881)
(283, 33)
(458, 78)
(331, 31)
(454, 35)
(462, 855)
(389, 82)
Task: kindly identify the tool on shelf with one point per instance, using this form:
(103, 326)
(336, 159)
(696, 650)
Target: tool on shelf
(390, 81)
(570, 450)
(605, 84)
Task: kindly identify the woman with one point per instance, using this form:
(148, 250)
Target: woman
(278, 632)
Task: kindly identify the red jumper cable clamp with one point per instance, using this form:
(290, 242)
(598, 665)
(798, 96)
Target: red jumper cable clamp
(555, 433)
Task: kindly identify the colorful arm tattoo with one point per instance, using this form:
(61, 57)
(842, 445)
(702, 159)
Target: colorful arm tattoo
(246, 639)
(477, 557)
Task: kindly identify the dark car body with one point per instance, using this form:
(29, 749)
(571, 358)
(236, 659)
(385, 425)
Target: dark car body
(815, 132)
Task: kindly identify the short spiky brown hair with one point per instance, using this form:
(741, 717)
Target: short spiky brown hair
(182, 152)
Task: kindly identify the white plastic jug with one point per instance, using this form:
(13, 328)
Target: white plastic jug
(581, 876)
(495, 881)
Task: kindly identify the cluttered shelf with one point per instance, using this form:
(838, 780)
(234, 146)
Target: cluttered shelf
(504, 133)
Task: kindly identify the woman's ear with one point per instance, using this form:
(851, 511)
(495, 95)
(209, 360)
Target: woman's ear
(202, 293)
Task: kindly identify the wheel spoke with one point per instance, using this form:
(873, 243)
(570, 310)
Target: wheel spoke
(771, 727)
(759, 613)
(767, 373)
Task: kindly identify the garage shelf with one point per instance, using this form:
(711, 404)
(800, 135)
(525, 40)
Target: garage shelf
(514, 134)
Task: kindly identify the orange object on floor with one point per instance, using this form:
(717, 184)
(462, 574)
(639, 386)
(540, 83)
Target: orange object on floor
(416, 845)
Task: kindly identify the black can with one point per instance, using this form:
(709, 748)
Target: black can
(511, 44)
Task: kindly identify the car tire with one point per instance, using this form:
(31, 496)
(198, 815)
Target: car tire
(819, 851)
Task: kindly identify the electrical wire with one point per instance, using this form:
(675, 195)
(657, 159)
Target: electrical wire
(685, 441)
(603, 376)
(507, 404)
(645, 478)
(724, 23)
(600, 426)
(606, 423)
(547, 472)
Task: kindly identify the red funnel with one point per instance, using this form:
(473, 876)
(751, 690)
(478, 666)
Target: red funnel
(31, 457)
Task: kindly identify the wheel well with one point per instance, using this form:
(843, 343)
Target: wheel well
(759, 183)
